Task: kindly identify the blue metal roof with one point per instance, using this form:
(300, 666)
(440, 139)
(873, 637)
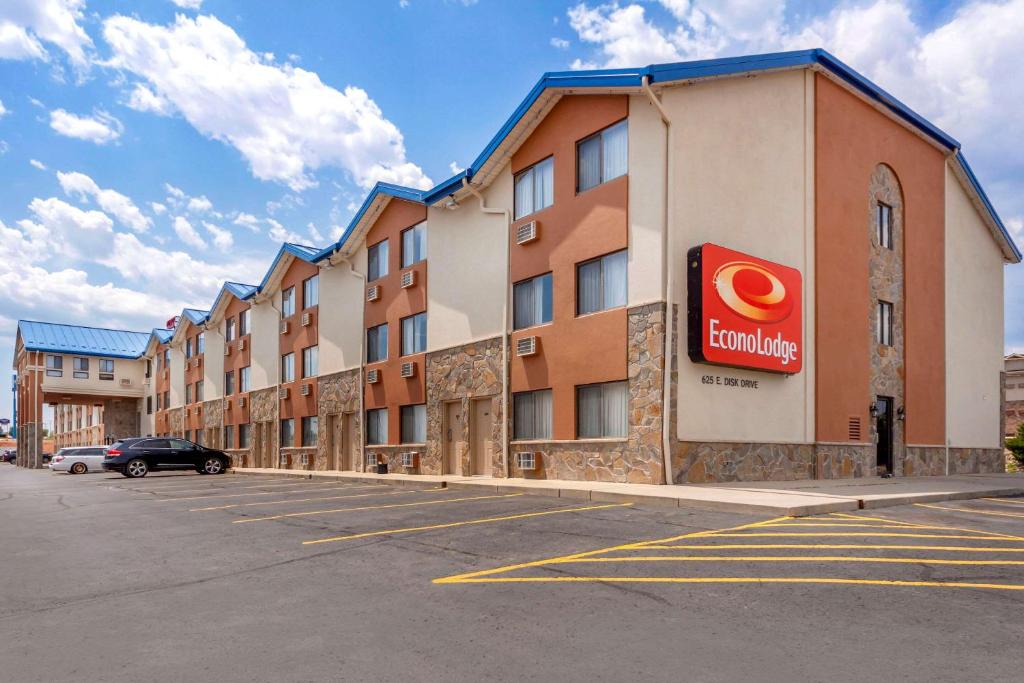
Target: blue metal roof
(197, 316)
(385, 189)
(302, 251)
(241, 291)
(84, 341)
(162, 335)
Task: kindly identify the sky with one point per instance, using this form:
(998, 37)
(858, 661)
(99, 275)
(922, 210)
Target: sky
(150, 150)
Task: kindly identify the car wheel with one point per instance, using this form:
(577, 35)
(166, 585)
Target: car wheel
(213, 466)
(78, 468)
(136, 468)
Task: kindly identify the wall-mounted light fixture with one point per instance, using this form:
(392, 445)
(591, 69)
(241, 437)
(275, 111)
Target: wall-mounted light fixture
(901, 414)
(873, 409)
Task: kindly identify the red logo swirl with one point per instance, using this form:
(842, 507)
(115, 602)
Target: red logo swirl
(752, 292)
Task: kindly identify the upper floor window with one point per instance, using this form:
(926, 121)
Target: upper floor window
(377, 343)
(414, 334)
(188, 393)
(188, 348)
(602, 157)
(377, 257)
(55, 366)
(149, 368)
(201, 343)
(244, 379)
(167, 358)
(288, 368)
(535, 188)
(230, 329)
(884, 322)
(601, 283)
(199, 391)
(310, 361)
(287, 302)
(311, 291)
(80, 367)
(531, 302)
(106, 368)
(243, 323)
(229, 382)
(414, 244)
(601, 410)
(884, 218)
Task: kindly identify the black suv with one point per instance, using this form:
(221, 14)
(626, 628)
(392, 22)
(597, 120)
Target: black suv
(139, 456)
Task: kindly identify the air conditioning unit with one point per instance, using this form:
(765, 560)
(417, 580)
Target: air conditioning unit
(227, 349)
(241, 344)
(372, 376)
(241, 401)
(527, 462)
(284, 327)
(282, 393)
(410, 459)
(126, 382)
(307, 319)
(527, 232)
(408, 279)
(305, 458)
(408, 369)
(227, 404)
(306, 389)
(526, 346)
(199, 362)
(283, 458)
(373, 293)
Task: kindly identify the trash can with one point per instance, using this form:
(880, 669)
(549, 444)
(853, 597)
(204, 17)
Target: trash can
(382, 468)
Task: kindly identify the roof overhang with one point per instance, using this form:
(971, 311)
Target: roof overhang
(279, 266)
(230, 290)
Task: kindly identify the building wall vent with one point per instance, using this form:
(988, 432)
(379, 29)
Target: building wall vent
(373, 293)
(306, 389)
(307, 319)
(305, 458)
(126, 382)
(241, 344)
(241, 401)
(854, 431)
(283, 459)
(526, 346)
(283, 393)
(527, 232)
(372, 376)
(408, 369)
(408, 279)
(227, 404)
(527, 462)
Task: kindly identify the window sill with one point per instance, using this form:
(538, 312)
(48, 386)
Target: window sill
(532, 327)
(531, 442)
(603, 310)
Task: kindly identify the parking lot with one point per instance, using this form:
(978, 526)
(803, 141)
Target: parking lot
(188, 577)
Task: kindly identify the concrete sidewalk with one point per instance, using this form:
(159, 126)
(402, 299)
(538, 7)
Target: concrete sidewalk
(795, 498)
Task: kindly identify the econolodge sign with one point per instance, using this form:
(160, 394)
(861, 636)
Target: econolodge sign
(743, 311)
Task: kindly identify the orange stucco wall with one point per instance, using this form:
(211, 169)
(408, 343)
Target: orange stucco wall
(299, 337)
(234, 362)
(161, 425)
(193, 374)
(851, 139)
(576, 227)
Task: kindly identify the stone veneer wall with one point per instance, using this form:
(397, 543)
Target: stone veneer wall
(213, 422)
(263, 408)
(120, 418)
(176, 421)
(30, 445)
(462, 373)
(337, 394)
(922, 461)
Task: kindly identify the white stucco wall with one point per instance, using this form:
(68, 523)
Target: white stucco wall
(743, 178)
(340, 324)
(213, 363)
(129, 369)
(646, 202)
(177, 376)
(974, 324)
(265, 338)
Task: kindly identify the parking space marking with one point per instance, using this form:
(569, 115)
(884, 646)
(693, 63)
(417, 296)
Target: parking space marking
(972, 511)
(265, 493)
(375, 507)
(1006, 501)
(450, 525)
(834, 546)
(228, 487)
(309, 500)
(781, 558)
(731, 579)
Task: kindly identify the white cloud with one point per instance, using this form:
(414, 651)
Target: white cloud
(248, 221)
(71, 231)
(158, 208)
(99, 128)
(35, 163)
(4, 147)
(111, 201)
(173, 191)
(26, 24)
(279, 233)
(188, 4)
(560, 43)
(455, 168)
(283, 119)
(144, 99)
(199, 204)
(315, 234)
(3, 109)
(187, 234)
(222, 238)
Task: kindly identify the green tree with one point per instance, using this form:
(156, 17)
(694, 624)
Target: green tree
(1015, 444)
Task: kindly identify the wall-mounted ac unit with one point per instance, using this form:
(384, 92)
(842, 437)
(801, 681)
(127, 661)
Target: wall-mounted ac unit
(227, 349)
(527, 232)
(148, 381)
(284, 327)
(526, 346)
(527, 462)
(241, 401)
(227, 404)
(199, 362)
(372, 376)
(410, 459)
(126, 382)
(408, 279)
(408, 369)
(307, 319)
(283, 458)
(373, 293)
(283, 393)
(241, 344)
(306, 389)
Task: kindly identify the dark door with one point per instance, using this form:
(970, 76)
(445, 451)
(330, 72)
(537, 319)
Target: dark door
(184, 452)
(884, 428)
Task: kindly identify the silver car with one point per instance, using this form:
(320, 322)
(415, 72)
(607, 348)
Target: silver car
(78, 460)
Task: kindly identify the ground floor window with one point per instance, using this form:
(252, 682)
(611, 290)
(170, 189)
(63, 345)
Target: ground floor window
(377, 426)
(243, 436)
(287, 433)
(601, 410)
(229, 436)
(531, 415)
(309, 431)
(414, 424)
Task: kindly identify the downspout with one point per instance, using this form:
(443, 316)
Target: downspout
(668, 245)
(504, 319)
(362, 366)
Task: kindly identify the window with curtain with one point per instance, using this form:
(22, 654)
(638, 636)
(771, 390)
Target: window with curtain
(310, 361)
(288, 302)
(414, 244)
(199, 391)
(601, 410)
(229, 436)
(601, 283)
(884, 218)
(535, 188)
(884, 323)
(288, 368)
(80, 367)
(531, 415)
(311, 291)
(243, 323)
(531, 302)
(54, 366)
(377, 426)
(377, 343)
(188, 393)
(414, 334)
(244, 379)
(309, 431)
(201, 342)
(602, 157)
(414, 424)
(243, 435)
(230, 329)
(287, 433)
(229, 382)
(377, 261)
(188, 348)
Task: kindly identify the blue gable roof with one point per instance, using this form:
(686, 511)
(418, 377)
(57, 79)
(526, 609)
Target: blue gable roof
(162, 335)
(302, 251)
(85, 341)
(197, 316)
(243, 292)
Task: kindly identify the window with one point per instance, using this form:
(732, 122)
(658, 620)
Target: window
(243, 323)
(55, 366)
(311, 361)
(287, 433)
(884, 218)
(229, 436)
(414, 334)
(601, 283)
(149, 405)
(230, 329)
(80, 366)
(377, 426)
(601, 410)
(531, 302)
(229, 382)
(149, 368)
(531, 415)
(311, 292)
(244, 382)
(377, 256)
(243, 436)
(188, 393)
(288, 302)
(178, 444)
(201, 343)
(535, 188)
(159, 397)
(188, 348)
(188, 434)
(377, 343)
(167, 400)
(414, 244)
(167, 358)
(414, 424)
(199, 391)
(602, 157)
(288, 368)
(199, 437)
(106, 368)
(884, 323)
(309, 431)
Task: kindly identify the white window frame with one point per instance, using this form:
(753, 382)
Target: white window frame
(418, 234)
(414, 348)
(288, 302)
(377, 262)
(287, 367)
(528, 401)
(311, 291)
(603, 172)
(533, 177)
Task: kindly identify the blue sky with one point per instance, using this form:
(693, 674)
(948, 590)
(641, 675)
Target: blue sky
(150, 150)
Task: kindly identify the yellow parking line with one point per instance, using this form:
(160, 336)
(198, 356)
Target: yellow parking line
(450, 525)
(309, 500)
(979, 512)
(759, 580)
(781, 558)
(267, 493)
(375, 507)
(1007, 501)
(870, 533)
(240, 488)
(820, 524)
(833, 546)
(945, 527)
(863, 518)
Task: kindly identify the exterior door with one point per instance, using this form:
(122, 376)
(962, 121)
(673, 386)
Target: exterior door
(350, 444)
(884, 429)
(333, 443)
(480, 437)
(453, 430)
(263, 433)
